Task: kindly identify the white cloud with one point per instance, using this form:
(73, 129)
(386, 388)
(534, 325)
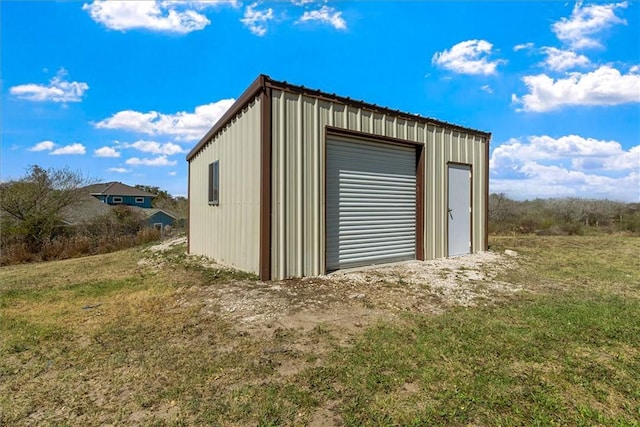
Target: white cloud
(106, 152)
(157, 161)
(75, 148)
(164, 16)
(119, 170)
(182, 125)
(325, 15)
(301, 2)
(156, 148)
(468, 57)
(256, 20)
(568, 147)
(571, 165)
(58, 90)
(43, 146)
(604, 86)
(133, 121)
(579, 30)
(628, 160)
(553, 181)
(172, 173)
(562, 60)
(487, 89)
(198, 4)
(523, 46)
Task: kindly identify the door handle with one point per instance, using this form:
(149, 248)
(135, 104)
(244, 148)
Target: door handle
(449, 211)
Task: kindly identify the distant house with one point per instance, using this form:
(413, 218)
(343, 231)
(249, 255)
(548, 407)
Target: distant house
(157, 218)
(100, 199)
(85, 210)
(117, 193)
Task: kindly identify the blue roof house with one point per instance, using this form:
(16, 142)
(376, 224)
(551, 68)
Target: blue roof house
(117, 193)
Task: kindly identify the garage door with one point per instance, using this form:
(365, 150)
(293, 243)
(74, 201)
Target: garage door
(371, 203)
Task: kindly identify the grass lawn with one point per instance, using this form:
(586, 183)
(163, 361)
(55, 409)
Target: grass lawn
(106, 340)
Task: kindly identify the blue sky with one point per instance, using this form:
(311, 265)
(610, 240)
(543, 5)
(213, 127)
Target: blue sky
(123, 90)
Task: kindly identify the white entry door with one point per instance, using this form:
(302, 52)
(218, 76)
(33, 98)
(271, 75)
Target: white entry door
(459, 212)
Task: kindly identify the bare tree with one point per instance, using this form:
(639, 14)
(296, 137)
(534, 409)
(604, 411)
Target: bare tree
(31, 207)
(568, 209)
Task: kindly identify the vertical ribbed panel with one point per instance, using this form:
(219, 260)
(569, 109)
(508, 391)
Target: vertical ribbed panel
(354, 120)
(230, 232)
(378, 124)
(390, 126)
(401, 129)
(411, 131)
(371, 203)
(430, 187)
(367, 120)
(299, 149)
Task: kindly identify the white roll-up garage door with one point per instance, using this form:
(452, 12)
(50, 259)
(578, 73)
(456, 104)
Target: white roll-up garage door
(371, 203)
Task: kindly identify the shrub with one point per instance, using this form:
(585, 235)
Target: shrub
(147, 235)
(122, 228)
(630, 222)
(572, 229)
(564, 216)
(528, 226)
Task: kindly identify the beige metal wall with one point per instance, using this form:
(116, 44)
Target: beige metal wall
(298, 165)
(230, 232)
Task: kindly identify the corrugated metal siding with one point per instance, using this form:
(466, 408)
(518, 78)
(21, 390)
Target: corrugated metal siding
(371, 203)
(230, 232)
(298, 124)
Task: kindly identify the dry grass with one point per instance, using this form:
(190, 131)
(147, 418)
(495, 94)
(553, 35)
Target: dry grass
(602, 264)
(111, 340)
(15, 251)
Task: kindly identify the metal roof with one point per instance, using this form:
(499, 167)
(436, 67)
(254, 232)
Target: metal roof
(262, 82)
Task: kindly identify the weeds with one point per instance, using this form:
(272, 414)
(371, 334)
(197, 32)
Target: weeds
(65, 247)
(207, 269)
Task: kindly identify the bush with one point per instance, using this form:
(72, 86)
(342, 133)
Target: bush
(630, 222)
(147, 235)
(71, 247)
(121, 228)
(566, 216)
(528, 226)
(572, 229)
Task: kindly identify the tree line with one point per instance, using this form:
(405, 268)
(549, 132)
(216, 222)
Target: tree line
(562, 216)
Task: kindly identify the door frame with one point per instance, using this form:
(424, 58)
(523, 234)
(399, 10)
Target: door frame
(420, 177)
(470, 166)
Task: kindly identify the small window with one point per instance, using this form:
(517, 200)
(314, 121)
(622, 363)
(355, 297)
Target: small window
(214, 184)
(139, 199)
(117, 199)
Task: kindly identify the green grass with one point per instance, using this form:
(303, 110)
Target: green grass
(121, 347)
(543, 361)
(606, 263)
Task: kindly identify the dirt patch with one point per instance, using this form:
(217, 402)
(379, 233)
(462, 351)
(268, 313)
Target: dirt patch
(349, 300)
(327, 415)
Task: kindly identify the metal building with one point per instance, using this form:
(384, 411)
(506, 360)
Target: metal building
(297, 182)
